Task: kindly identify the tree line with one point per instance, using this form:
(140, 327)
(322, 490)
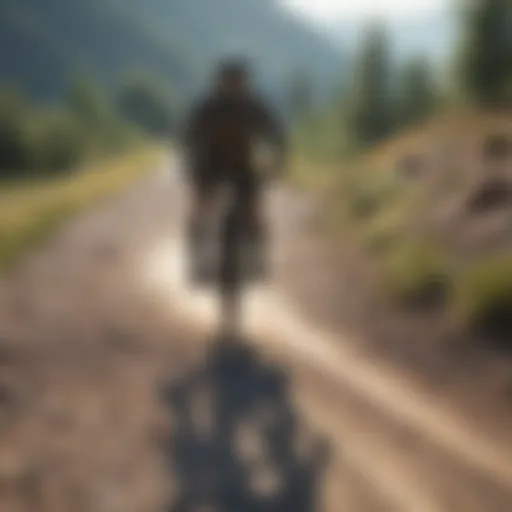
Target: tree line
(382, 98)
(39, 140)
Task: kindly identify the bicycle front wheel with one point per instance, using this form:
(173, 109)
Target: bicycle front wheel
(231, 278)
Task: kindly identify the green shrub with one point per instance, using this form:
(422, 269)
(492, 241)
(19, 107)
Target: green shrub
(417, 273)
(483, 295)
(37, 141)
(13, 141)
(57, 141)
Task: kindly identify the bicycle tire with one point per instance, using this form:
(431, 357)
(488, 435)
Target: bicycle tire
(231, 275)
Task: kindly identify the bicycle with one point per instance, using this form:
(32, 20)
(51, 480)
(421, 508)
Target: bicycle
(240, 260)
(235, 257)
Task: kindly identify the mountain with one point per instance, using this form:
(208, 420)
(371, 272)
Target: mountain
(44, 42)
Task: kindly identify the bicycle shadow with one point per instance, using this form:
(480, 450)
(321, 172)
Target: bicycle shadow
(236, 442)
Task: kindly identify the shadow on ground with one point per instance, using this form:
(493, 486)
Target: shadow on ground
(236, 442)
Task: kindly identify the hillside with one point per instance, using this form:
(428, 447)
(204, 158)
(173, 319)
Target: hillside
(419, 253)
(43, 43)
(430, 210)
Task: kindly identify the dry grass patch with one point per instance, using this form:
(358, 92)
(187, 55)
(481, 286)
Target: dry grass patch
(31, 211)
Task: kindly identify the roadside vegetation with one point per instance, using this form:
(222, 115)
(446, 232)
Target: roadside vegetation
(43, 140)
(483, 295)
(418, 172)
(30, 212)
(56, 160)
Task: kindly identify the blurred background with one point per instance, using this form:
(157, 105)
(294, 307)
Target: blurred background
(400, 117)
(131, 68)
(371, 92)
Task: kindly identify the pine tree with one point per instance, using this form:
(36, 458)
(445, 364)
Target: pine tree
(370, 117)
(416, 93)
(487, 52)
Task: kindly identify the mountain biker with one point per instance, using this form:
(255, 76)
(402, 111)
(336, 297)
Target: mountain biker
(219, 138)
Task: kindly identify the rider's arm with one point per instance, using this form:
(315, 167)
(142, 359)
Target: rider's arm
(274, 131)
(191, 138)
(190, 130)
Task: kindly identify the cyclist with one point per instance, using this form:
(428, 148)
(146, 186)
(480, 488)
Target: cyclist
(219, 141)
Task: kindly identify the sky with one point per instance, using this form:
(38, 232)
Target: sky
(337, 10)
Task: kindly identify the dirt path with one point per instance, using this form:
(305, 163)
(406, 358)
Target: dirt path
(115, 396)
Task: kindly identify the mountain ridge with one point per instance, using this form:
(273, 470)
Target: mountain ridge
(41, 46)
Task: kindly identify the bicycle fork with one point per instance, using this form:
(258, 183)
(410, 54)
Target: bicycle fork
(230, 276)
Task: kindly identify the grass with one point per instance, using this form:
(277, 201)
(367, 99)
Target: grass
(417, 273)
(381, 235)
(31, 211)
(371, 206)
(309, 176)
(367, 194)
(483, 295)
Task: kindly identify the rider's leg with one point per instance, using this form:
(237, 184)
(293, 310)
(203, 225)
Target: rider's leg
(202, 194)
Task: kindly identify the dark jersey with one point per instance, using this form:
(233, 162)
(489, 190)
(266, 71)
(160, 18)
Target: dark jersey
(221, 132)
